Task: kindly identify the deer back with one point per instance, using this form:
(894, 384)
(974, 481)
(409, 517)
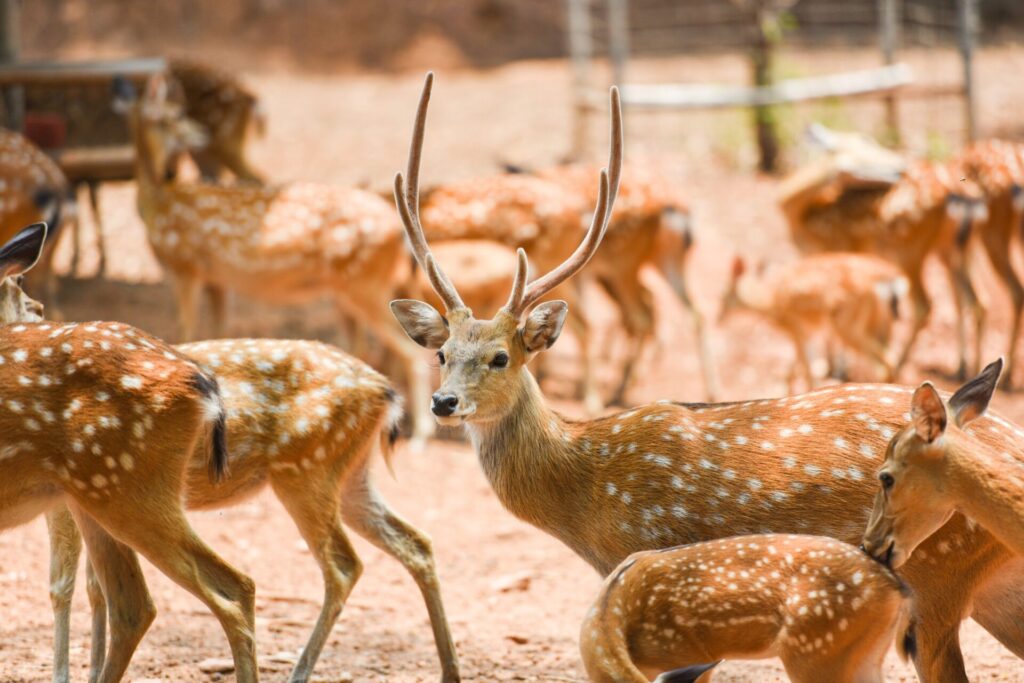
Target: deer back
(31, 185)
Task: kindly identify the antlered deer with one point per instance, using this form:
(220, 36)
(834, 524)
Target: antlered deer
(826, 609)
(943, 462)
(853, 297)
(306, 419)
(287, 244)
(666, 474)
(106, 419)
(860, 199)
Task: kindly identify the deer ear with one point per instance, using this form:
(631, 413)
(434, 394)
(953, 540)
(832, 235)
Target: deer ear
(22, 251)
(544, 324)
(971, 400)
(421, 322)
(927, 413)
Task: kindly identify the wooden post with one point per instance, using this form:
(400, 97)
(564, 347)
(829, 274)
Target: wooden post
(10, 49)
(889, 37)
(581, 52)
(618, 39)
(966, 20)
(761, 55)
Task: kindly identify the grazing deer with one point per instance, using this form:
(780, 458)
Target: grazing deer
(32, 189)
(853, 297)
(227, 111)
(287, 244)
(666, 474)
(106, 419)
(649, 225)
(943, 462)
(860, 200)
(304, 418)
(822, 606)
(997, 167)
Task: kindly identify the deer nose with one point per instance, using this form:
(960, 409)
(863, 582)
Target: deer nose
(444, 405)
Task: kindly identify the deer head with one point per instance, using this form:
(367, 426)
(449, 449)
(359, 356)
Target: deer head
(913, 501)
(17, 258)
(162, 131)
(482, 361)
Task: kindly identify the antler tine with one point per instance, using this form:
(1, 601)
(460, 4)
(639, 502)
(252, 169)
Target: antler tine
(519, 284)
(408, 202)
(608, 189)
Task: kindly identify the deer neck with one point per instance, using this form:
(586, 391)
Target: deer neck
(532, 460)
(988, 487)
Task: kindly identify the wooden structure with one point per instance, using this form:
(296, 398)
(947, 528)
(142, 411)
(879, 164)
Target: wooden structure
(890, 81)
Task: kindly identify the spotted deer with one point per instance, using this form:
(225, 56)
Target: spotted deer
(281, 245)
(852, 297)
(942, 462)
(228, 113)
(106, 419)
(859, 199)
(997, 167)
(32, 189)
(305, 419)
(827, 610)
(665, 473)
(649, 225)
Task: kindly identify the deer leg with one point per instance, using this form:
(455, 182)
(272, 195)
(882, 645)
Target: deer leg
(581, 328)
(186, 289)
(129, 604)
(97, 219)
(155, 526)
(967, 302)
(997, 245)
(922, 309)
(700, 330)
(851, 327)
(98, 604)
(65, 549)
(218, 309)
(368, 513)
(314, 506)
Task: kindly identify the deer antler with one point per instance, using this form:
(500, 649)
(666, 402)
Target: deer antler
(523, 296)
(408, 203)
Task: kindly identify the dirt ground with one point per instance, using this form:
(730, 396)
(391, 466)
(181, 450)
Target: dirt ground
(514, 596)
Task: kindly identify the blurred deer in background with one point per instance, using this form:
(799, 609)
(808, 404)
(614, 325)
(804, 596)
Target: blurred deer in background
(281, 245)
(943, 462)
(997, 167)
(852, 297)
(306, 419)
(227, 112)
(825, 608)
(105, 419)
(861, 197)
(32, 189)
(650, 225)
(666, 474)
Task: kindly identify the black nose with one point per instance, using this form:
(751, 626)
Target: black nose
(444, 405)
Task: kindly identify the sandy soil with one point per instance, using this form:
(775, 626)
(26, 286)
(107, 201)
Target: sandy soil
(354, 130)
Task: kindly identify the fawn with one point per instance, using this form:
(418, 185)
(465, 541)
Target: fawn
(860, 198)
(106, 419)
(288, 244)
(666, 474)
(854, 297)
(825, 608)
(943, 462)
(32, 189)
(304, 418)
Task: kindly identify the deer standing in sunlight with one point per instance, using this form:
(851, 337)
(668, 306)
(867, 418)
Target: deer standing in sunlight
(852, 297)
(666, 474)
(863, 198)
(943, 461)
(826, 609)
(106, 419)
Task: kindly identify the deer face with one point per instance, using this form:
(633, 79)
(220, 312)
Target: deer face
(913, 500)
(16, 258)
(481, 361)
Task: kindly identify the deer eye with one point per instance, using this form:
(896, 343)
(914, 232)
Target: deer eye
(440, 357)
(886, 479)
(500, 360)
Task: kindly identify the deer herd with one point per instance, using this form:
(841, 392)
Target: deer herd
(820, 528)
